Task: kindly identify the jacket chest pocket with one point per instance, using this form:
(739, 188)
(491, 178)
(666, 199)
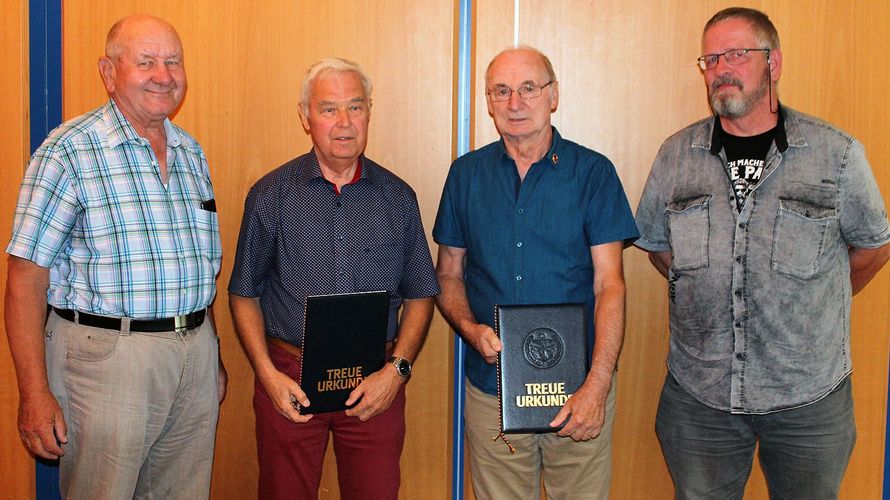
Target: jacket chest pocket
(800, 236)
(689, 226)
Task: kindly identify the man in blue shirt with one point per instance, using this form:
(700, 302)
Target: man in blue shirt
(534, 219)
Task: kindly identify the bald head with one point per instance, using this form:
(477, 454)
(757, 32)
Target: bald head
(524, 50)
(128, 29)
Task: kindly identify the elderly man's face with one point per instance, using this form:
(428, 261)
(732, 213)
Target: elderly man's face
(521, 119)
(147, 79)
(734, 91)
(337, 118)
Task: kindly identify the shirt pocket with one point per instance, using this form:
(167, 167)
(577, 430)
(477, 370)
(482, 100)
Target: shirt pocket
(800, 236)
(690, 226)
(207, 229)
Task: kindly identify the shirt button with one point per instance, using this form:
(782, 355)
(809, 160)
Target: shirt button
(740, 356)
(339, 203)
(738, 293)
(519, 244)
(521, 210)
(738, 259)
(340, 237)
(738, 324)
(742, 225)
(518, 277)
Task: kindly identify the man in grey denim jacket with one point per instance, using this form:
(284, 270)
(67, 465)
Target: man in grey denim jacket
(766, 222)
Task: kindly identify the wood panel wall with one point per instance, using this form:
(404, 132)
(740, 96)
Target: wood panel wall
(628, 79)
(245, 64)
(16, 466)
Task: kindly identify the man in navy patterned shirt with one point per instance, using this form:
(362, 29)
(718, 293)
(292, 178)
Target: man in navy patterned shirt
(330, 221)
(116, 229)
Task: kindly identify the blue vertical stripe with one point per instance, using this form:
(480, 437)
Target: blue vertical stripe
(464, 72)
(45, 39)
(45, 71)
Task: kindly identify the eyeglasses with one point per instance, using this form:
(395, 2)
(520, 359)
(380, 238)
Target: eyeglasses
(733, 57)
(526, 91)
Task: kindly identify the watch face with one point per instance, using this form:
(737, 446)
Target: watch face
(403, 366)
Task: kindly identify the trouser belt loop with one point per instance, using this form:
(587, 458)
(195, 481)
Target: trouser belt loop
(125, 326)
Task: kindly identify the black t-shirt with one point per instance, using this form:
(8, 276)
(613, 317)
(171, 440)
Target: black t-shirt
(745, 159)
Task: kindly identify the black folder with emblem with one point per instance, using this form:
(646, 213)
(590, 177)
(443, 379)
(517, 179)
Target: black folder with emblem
(344, 341)
(544, 360)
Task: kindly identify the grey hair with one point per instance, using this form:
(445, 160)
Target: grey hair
(328, 67)
(764, 29)
(544, 60)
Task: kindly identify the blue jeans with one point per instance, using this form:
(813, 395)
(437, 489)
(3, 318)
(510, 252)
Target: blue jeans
(803, 451)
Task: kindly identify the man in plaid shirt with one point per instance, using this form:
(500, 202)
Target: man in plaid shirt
(116, 229)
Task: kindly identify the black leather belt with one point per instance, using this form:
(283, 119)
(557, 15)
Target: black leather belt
(177, 323)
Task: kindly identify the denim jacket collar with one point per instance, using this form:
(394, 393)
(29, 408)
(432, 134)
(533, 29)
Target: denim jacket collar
(787, 133)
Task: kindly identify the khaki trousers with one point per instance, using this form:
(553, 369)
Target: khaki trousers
(571, 469)
(141, 410)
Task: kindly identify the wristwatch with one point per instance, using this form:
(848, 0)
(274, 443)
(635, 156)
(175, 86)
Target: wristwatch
(403, 366)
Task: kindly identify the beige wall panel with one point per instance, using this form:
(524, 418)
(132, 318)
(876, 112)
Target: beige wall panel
(628, 80)
(836, 78)
(16, 464)
(245, 62)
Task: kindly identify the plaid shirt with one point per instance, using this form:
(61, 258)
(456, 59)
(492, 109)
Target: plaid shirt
(118, 242)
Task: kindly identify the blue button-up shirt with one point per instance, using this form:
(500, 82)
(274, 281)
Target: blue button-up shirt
(117, 241)
(300, 237)
(760, 298)
(528, 242)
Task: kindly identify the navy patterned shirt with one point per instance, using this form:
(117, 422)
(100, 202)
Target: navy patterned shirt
(299, 238)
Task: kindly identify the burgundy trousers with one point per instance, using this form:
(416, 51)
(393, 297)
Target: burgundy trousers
(291, 455)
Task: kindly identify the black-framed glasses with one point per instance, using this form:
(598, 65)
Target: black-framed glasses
(526, 91)
(733, 57)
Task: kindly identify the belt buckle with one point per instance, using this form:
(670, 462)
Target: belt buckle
(179, 324)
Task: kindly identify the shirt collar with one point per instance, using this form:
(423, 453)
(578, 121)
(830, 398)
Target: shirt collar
(713, 129)
(552, 155)
(311, 169)
(118, 130)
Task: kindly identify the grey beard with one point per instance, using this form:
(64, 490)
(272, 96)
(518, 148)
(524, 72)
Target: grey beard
(736, 106)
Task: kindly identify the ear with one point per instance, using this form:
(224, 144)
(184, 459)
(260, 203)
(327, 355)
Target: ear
(775, 64)
(304, 110)
(107, 71)
(554, 100)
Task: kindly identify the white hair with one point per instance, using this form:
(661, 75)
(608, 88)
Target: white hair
(328, 67)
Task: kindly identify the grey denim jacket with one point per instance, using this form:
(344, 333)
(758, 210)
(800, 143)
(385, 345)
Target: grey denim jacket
(760, 299)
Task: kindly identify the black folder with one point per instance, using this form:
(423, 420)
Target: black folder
(544, 360)
(344, 340)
